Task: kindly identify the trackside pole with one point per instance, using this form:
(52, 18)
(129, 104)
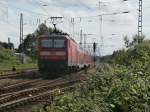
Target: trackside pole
(94, 53)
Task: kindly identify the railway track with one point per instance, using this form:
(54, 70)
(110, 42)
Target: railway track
(8, 107)
(19, 86)
(19, 70)
(18, 74)
(9, 90)
(4, 91)
(20, 94)
(33, 94)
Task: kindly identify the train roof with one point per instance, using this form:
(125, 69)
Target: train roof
(57, 35)
(63, 36)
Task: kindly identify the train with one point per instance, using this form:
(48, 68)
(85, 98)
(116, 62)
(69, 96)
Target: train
(58, 53)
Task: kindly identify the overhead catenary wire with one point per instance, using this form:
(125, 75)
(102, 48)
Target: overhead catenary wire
(39, 5)
(82, 17)
(25, 10)
(37, 21)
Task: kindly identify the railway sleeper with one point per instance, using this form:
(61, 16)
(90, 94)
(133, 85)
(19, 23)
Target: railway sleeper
(41, 97)
(24, 101)
(17, 86)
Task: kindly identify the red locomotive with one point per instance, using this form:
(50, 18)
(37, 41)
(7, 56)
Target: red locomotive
(59, 53)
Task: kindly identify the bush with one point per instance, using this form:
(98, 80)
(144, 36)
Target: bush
(7, 55)
(123, 88)
(137, 55)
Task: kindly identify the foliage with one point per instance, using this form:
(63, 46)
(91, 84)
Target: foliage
(123, 88)
(126, 41)
(106, 59)
(136, 40)
(135, 56)
(9, 59)
(118, 90)
(7, 55)
(120, 56)
(7, 45)
(29, 46)
(30, 42)
(136, 50)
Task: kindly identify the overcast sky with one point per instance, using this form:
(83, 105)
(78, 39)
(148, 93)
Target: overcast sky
(86, 17)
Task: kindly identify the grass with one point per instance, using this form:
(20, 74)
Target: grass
(8, 66)
(8, 59)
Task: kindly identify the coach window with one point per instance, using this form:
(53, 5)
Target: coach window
(59, 43)
(46, 43)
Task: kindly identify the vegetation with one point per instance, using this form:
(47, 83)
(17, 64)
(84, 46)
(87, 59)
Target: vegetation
(29, 43)
(125, 87)
(136, 56)
(6, 45)
(9, 59)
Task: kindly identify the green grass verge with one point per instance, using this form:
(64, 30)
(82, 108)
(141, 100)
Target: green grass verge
(8, 66)
(8, 59)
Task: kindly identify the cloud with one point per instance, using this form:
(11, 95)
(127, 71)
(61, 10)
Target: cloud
(121, 24)
(6, 31)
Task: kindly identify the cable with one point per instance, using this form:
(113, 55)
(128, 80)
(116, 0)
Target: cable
(107, 14)
(39, 5)
(29, 11)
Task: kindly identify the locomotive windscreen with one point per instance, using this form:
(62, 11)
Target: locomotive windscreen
(59, 43)
(53, 43)
(47, 43)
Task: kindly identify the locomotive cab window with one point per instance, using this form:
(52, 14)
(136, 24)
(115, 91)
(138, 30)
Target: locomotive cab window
(59, 43)
(46, 43)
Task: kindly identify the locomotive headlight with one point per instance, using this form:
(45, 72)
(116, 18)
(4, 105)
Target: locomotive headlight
(60, 53)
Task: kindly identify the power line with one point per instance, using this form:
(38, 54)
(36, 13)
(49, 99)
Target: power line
(38, 21)
(39, 5)
(110, 14)
(83, 17)
(26, 10)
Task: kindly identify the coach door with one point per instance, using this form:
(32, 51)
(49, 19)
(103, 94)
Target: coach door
(77, 57)
(70, 54)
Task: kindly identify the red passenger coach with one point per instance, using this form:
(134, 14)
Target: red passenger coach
(59, 53)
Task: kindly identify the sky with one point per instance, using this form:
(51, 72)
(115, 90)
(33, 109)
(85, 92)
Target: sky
(107, 30)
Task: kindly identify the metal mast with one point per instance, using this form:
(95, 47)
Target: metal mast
(21, 28)
(140, 24)
(101, 35)
(100, 30)
(21, 37)
(81, 35)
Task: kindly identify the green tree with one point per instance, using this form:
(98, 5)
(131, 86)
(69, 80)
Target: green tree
(126, 41)
(7, 45)
(42, 29)
(137, 39)
(29, 43)
(29, 46)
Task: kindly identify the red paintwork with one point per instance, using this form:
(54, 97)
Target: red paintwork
(52, 57)
(75, 56)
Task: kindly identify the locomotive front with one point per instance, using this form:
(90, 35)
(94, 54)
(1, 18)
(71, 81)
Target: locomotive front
(52, 53)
